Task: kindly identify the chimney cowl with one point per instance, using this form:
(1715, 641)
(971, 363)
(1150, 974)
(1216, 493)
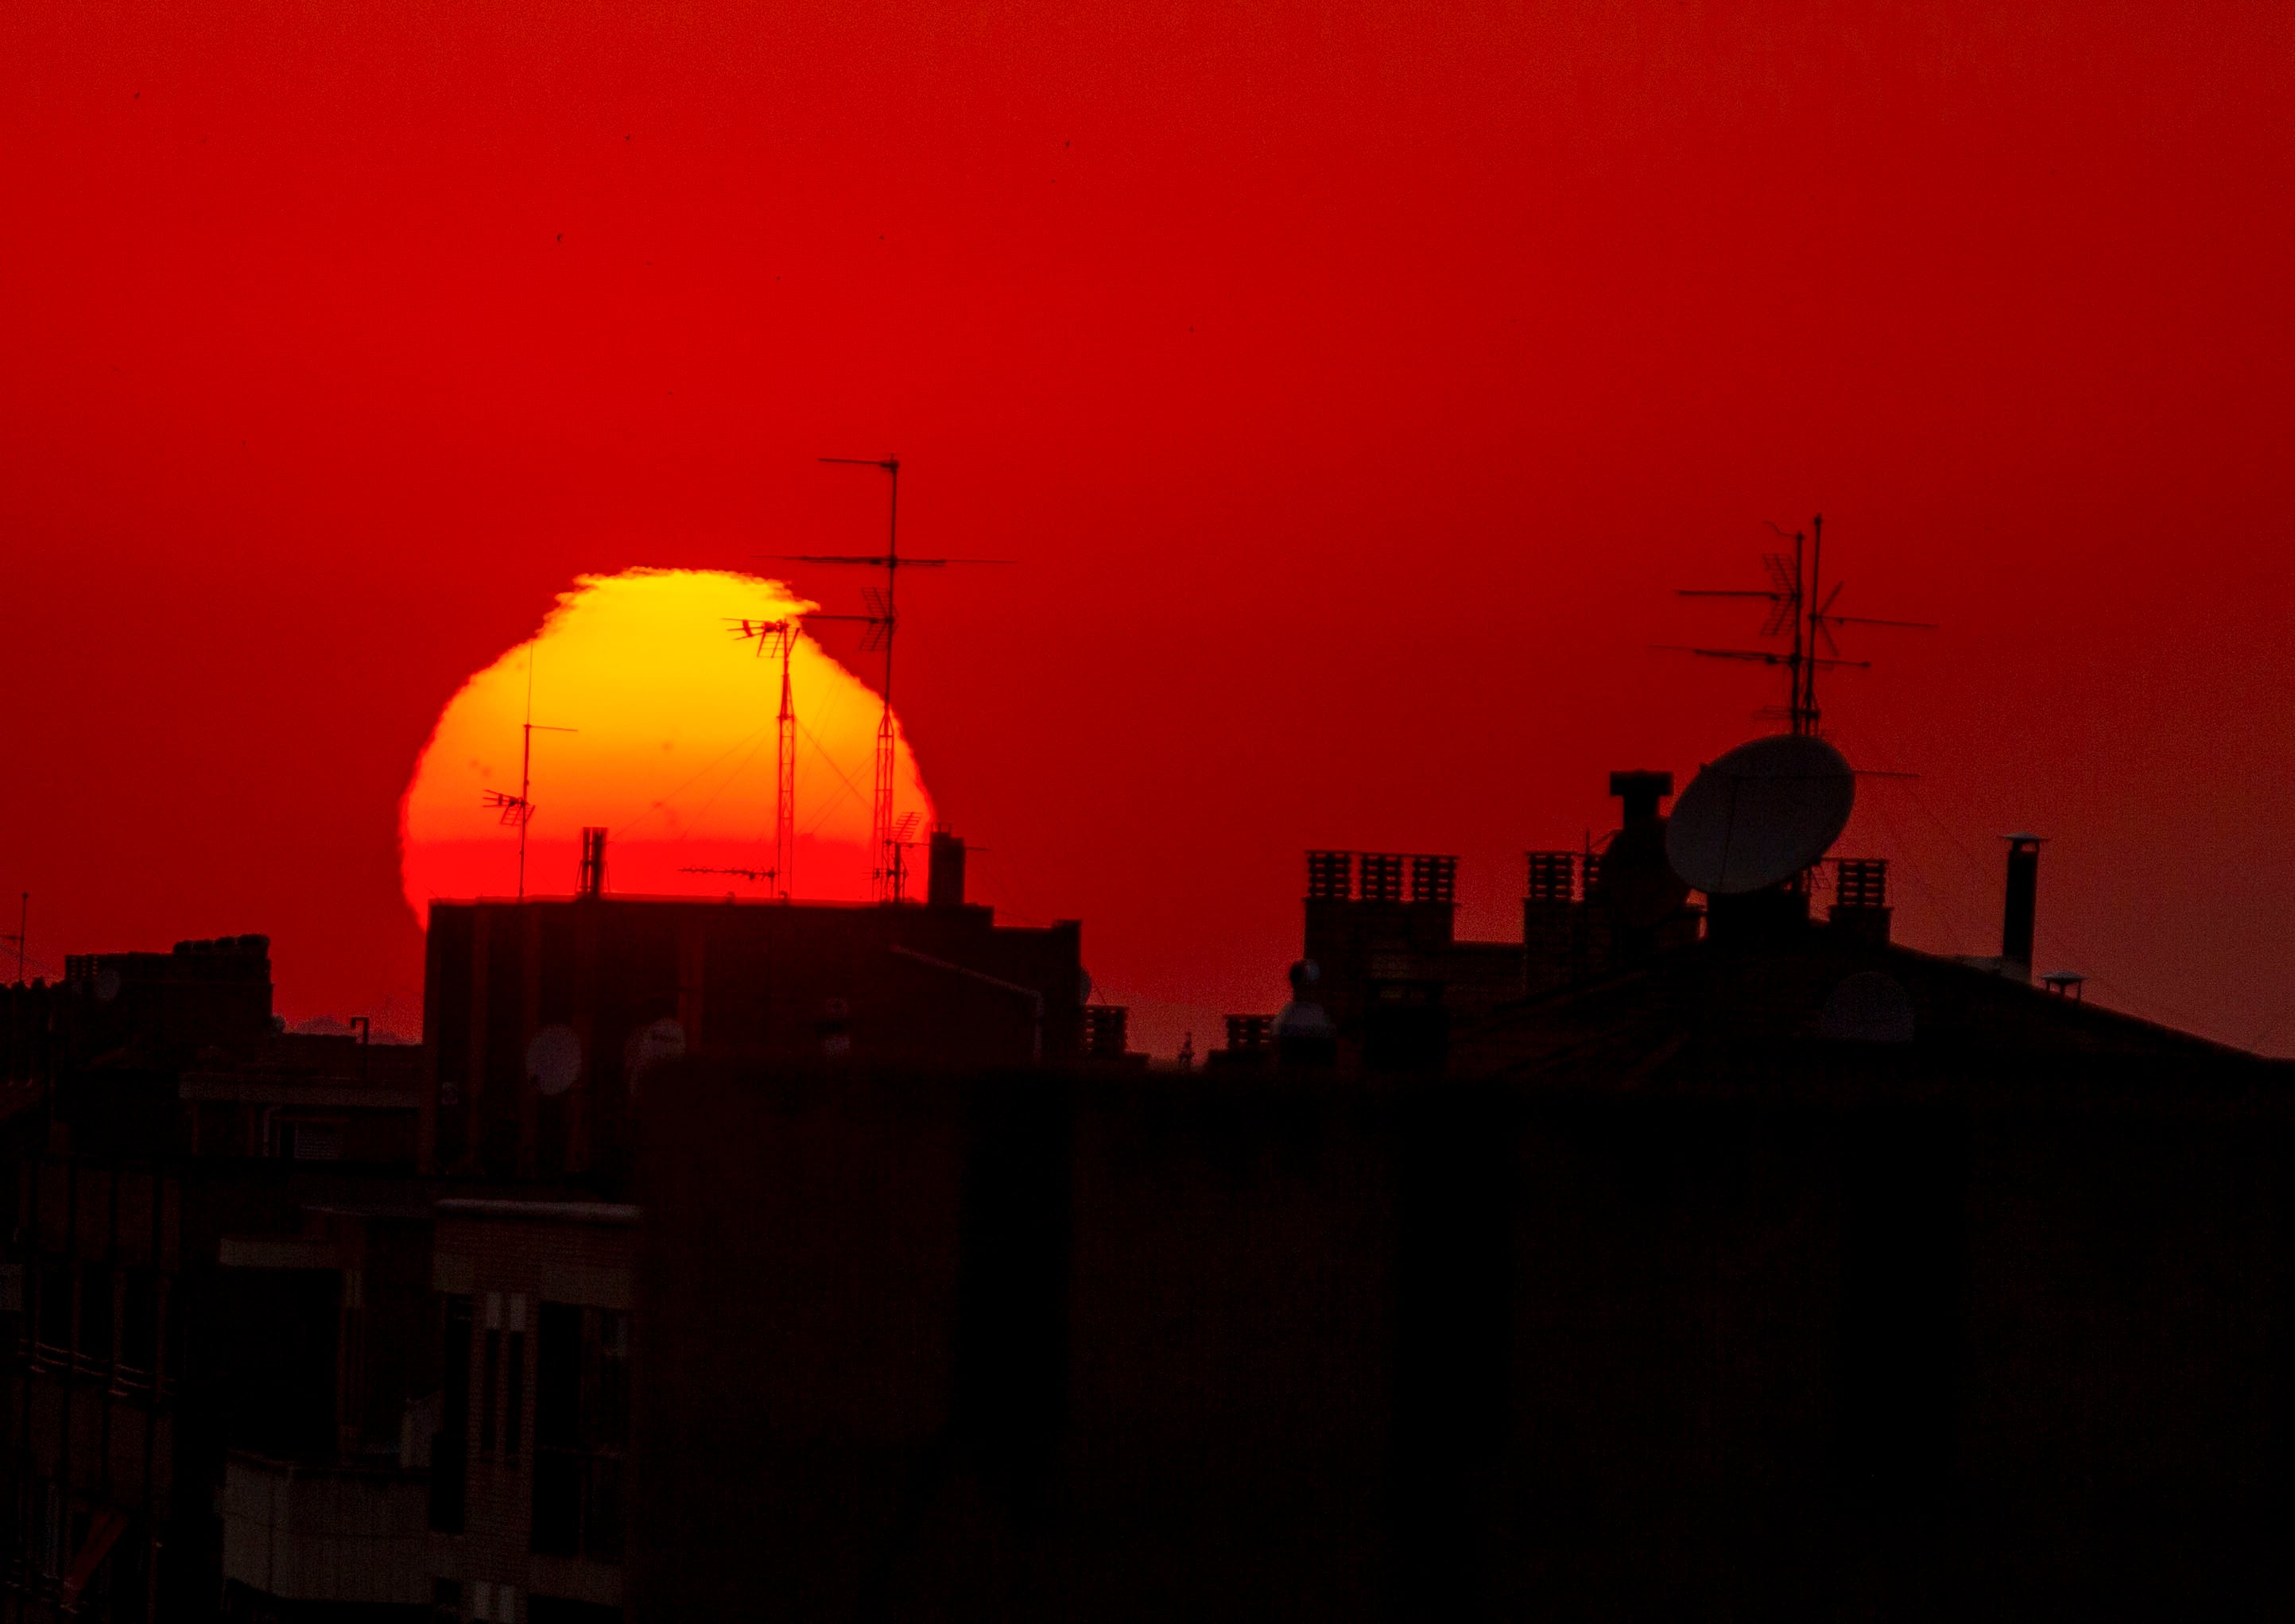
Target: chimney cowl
(1641, 789)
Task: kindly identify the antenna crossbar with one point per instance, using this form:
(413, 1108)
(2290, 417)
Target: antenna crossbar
(1797, 611)
(884, 616)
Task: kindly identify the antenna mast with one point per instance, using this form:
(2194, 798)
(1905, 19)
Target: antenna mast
(886, 875)
(1797, 612)
(518, 808)
(783, 634)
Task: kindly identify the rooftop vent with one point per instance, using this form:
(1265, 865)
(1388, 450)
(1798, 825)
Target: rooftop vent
(1250, 1034)
(1382, 877)
(1330, 876)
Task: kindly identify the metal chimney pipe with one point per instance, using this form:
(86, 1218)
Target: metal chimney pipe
(2023, 900)
(594, 862)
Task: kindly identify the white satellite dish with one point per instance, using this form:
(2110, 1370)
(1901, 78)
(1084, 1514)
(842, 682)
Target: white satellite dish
(553, 1059)
(1760, 814)
(652, 1046)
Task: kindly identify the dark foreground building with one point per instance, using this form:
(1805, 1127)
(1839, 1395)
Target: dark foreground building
(300, 1328)
(184, 1269)
(1655, 1319)
(1657, 1265)
(716, 1261)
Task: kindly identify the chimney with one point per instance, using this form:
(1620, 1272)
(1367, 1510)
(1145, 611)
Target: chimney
(594, 862)
(945, 873)
(1860, 897)
(2023, 894)
(1641, 791)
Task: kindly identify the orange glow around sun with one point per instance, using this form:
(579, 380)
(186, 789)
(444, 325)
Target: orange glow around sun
(673, 751)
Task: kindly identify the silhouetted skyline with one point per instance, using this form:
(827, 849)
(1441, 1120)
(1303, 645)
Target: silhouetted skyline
(1352, 387)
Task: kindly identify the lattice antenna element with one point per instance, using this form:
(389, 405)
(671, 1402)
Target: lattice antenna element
(518, 808)
(885, 615)
(780, 636)
(752, 874)
(905, 841)
(1800, 614)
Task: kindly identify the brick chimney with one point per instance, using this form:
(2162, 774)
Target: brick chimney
(944, 875)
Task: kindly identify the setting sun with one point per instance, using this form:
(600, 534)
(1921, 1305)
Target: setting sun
(671, 751)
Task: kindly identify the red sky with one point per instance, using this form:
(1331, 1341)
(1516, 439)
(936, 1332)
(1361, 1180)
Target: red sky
(1352, 384)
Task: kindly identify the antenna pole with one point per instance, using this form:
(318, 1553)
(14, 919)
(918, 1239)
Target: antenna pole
(888, 876)
(1813, 601)
(1794, 665)
(785, 777)
(526, 774)
(1800, 612)
(887, 872)
(519, 807)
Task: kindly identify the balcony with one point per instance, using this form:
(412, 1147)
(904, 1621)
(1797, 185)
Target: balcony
(323, 1532)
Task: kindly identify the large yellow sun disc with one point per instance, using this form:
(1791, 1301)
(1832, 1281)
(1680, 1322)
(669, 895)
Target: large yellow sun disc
(673, 751)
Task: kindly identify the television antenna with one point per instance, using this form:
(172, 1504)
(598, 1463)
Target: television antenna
(519, 808)
(904, 840)
(882, 602)
(782, 634)
(1796, 612)
(23, 924)
(751, 875)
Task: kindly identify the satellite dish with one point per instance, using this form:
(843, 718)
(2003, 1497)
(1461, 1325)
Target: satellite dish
(652, 1046)
(553, 1059)
(1760, 814)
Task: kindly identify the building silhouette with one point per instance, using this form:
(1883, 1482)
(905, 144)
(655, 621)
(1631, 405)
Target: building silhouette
(711, 1260)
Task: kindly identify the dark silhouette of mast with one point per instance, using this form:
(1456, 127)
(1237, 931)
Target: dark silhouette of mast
(883, 610)
(783, 634)
(518, 808)
(1797, 612)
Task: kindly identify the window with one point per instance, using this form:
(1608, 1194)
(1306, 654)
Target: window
(96, 1317)
(450, 1448)
(311, 1141)
(49, 1531)
(581, 1430)
(514, 1400)
(489, 1372)
(139, 1325)
(54, 1323)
